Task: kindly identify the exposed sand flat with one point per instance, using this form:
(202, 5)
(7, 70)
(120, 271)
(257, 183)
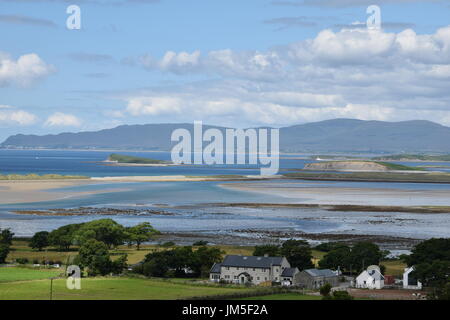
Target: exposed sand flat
(18, 191)
(347, 195)
(179, 178)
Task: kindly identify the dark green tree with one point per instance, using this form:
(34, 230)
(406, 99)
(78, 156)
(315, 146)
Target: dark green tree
(364, 254)
(140, 233)
(104, 230)
(428, 251)
(63, 237)
(6, 237)
(94, 256)
(335, 258)
(39, 240)
(325, 290)
(4, 251)
(298, 253)
(267, 249)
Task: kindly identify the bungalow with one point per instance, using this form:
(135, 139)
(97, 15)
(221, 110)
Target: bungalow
(254, 270)
(409, 282)
(370, 278)
(315, 278)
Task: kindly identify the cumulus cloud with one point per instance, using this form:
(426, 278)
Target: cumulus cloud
(10, 116)
(356, 73)
(60, 119)
(24, 71)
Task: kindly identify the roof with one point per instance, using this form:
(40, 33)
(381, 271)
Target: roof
(216, 268)
(289, 272)
(251, 261)
(376, 274)
(321, 272)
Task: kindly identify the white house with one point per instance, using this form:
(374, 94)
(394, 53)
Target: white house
(370, 279)
(410, 282)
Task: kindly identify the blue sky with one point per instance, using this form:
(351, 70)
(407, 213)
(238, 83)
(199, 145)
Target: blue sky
(240, 63)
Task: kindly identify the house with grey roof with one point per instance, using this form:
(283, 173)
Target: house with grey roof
(370, 278)
(315, 278)
(255, 270)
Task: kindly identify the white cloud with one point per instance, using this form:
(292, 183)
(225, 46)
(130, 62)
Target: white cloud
(10, 116)
(60, 119)
(355, 73)
(24, 71)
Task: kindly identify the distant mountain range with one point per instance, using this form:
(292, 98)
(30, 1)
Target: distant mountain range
(338, 135)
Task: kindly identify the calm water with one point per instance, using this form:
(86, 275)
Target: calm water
(199, 217)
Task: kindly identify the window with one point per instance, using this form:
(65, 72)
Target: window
(257, 278)
(228, 268)
(235, 277)
(254, 269)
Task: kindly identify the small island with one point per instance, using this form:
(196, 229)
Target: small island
(365, 166)
(124, 160)
(415, 157)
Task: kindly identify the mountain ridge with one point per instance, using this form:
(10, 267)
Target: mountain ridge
(334, 135)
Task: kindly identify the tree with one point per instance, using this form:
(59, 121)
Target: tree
(335, 258)
(298, 253)
(204, 258)
(325, 290)
(6, 237)
(39, 240)
(269, 249)
(364, 254)
(435, 275)
(4, 251)
(104, 230)
(94, 256)
(140, 233)
(329, 246)
(428, 251)
(63, 237)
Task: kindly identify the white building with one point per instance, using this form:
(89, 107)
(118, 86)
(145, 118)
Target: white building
(409, 282)
(370, 279)
(254, 270)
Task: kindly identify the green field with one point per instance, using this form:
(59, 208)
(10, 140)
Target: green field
(110, 288)
(285, 296)
(10, 274)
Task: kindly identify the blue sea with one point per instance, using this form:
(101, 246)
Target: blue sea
(192, 203)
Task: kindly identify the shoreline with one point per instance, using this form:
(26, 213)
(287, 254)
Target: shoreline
(298, 193)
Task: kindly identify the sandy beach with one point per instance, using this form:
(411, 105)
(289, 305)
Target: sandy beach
(22, 191)
(27, 191)
(346, 195)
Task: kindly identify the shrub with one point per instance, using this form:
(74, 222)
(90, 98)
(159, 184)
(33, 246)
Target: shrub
(22, 260)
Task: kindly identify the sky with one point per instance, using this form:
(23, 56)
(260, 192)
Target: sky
(225, 62)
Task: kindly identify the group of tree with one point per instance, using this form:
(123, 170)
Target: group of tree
(354, 258)
(297, 252)
(6, 237)
(94, 257)
(179, 262)
(327, 294)
(107, 231)
(95, 239)
(431, 262)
